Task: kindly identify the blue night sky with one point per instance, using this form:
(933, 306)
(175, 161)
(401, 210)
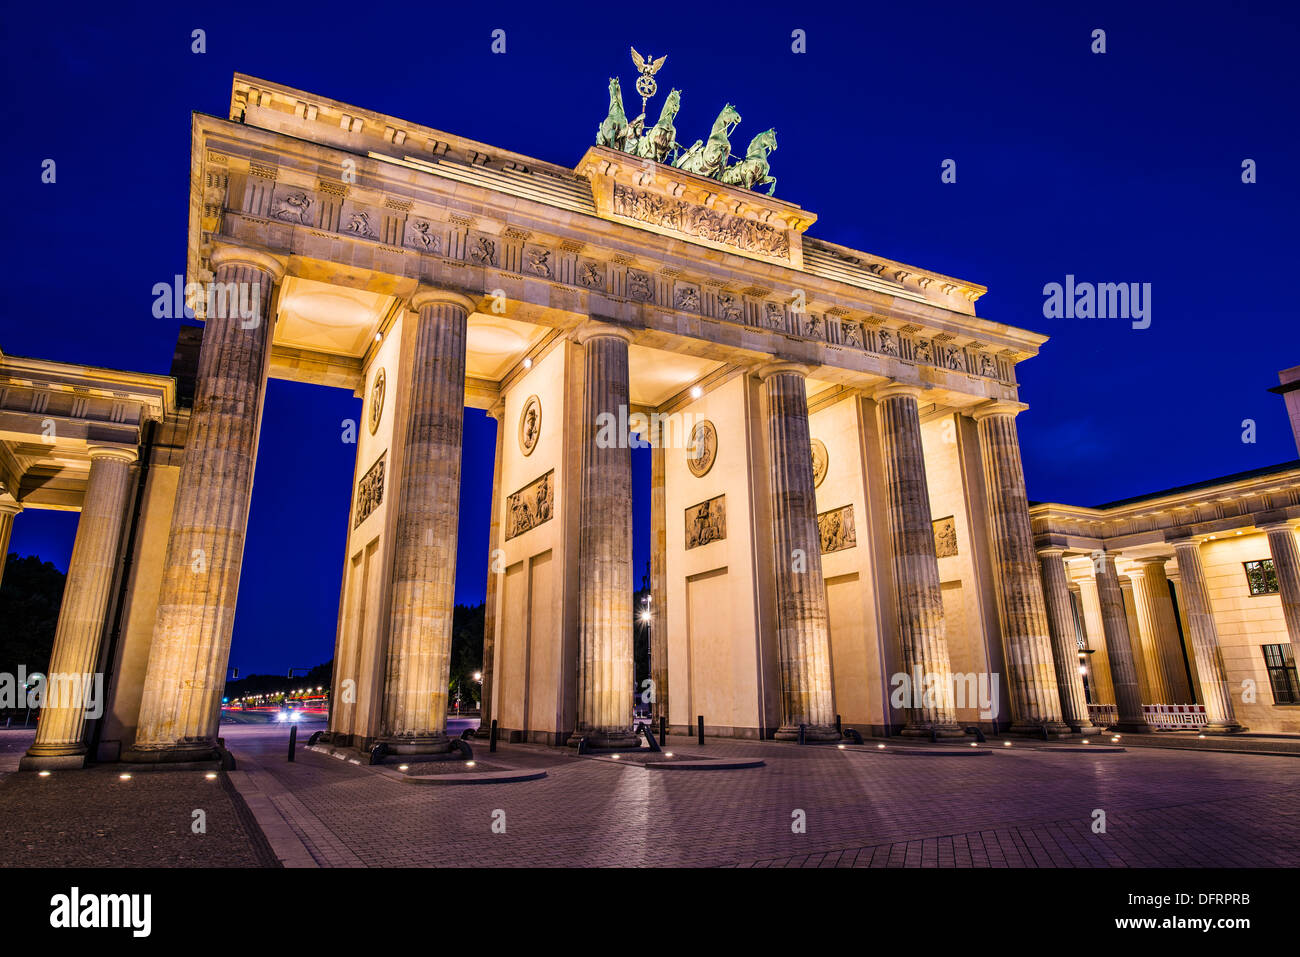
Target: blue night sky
(1122, 167)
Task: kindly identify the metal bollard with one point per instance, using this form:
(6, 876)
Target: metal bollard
(801, 728)
(293, 740)
(699, 724)
(492, 737)
(839, 726)
(663, 728)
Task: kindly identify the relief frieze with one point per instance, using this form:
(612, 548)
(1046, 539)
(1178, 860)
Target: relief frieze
(701, 222)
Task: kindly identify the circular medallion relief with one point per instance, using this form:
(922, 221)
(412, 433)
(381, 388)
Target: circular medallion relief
(530, 425)
(377, 401)
(819, 461)
(703, 449)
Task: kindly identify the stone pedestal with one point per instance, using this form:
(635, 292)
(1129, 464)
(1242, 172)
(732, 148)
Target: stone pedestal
(1286, 564)
(1204, 634)
(1119, 646)
(74, 660)
(916, 568)
(605, 546)
(428, 506)
(1032, 674)
(180, 708)
(803, 635)
(1065, 647)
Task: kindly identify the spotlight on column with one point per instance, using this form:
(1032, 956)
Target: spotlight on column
(43, 774)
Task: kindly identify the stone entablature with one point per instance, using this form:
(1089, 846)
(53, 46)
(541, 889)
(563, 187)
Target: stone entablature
(1204, 510)
(857, 304)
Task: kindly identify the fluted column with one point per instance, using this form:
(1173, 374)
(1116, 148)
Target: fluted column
(658, 582)
(1098, 663)
(916, 568)
(428, 506)
(181, 704)
(74, 660)
(1286, 564)
(1032, 675)
(496, 568)
(1155, 595)
(1149, 690)
(1065, 647)
(1199, 619)
(803, 633)
(605, 545)
(1160, 680)
(8, 511)
(1119, 645)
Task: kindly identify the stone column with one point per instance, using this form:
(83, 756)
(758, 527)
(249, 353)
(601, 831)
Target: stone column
(74, 660)
(428, 507)
(658, 583)
(1065, 646)
(916, 569)
(1146, 601)
(1098, 663)
(1119, 645)
(181, 704)
(1032, 678)
(8, 511)
(496, 568)
(802, 629)
(605, 545)
(1286, 564)
(1199, 619)
(1149, 688)
(1179, 601)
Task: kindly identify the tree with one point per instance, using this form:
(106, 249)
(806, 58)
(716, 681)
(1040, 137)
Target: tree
(30, 597)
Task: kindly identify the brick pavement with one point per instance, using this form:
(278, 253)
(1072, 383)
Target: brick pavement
(1015, 808)
(92, 818)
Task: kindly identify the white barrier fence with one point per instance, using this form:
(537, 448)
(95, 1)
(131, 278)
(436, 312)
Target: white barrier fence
(1163, 717)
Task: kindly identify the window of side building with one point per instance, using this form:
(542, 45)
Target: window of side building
(1280, 662)
(1261, 577)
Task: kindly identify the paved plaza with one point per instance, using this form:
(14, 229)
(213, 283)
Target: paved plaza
(1015, 807)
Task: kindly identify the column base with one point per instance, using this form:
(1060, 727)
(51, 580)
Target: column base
(173, 754)
(925, 729)
(53, 760)
(1132, 727)
(430, 743)
(1224, 729)
(1055, 729)
(811, 732)
(1084, 727)
(606, 739)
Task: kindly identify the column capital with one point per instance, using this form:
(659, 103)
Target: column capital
(430, 296)
(1158, 561)
(595, 328)
(997, 407)
(1277, 524)
(498, 410)
(247, 255)
(891, 390)
(10, 508)
(120, 452)
(1050, 551)
(769, 369)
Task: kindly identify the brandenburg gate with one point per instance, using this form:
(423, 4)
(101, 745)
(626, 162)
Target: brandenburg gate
(837, 491)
